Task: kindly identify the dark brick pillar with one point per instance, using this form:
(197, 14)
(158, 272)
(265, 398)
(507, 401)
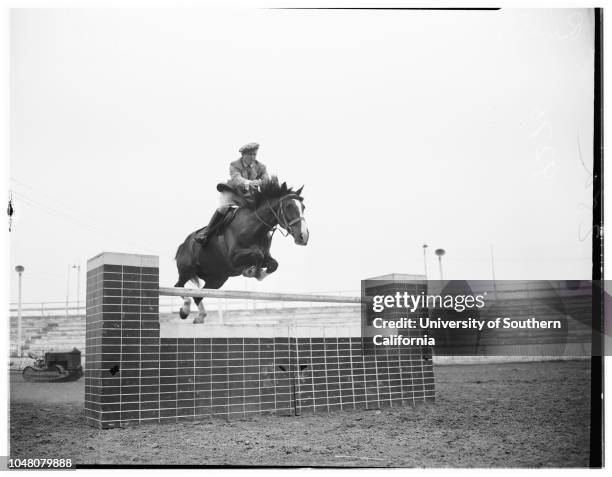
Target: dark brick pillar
(122, 340)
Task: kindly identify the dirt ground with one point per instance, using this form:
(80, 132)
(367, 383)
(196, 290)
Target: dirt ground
(494, 415)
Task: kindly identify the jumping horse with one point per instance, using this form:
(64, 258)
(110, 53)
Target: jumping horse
(242, 245)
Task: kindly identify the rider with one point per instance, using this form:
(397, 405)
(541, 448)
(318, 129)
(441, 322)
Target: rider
(246, 174)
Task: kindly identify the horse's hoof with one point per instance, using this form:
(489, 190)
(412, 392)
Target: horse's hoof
(250, 272)
(182, 314)
(200, 317)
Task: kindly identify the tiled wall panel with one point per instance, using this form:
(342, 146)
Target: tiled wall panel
(136, 375)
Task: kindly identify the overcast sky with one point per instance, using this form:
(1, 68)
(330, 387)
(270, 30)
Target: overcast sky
(461, 130)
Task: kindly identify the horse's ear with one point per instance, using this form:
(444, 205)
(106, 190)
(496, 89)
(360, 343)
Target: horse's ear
(284, 187)
(299, 191)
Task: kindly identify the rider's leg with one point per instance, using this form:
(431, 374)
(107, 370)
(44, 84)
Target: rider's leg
(203, 236)
(225, 201)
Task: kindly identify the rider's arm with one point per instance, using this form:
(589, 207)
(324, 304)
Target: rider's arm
(263, 175)
(236, 179)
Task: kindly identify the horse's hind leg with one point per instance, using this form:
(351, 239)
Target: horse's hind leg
(210, 283)
(201, 310)
(186, 308)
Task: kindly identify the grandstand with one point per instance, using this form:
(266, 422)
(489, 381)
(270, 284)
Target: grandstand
(51, 331)
(48, 333)
(59, 327)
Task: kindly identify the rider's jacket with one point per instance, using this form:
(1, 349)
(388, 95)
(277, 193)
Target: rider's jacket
(240, 173)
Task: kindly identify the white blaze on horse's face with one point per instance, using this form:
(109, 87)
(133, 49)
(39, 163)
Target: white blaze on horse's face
(299, 229)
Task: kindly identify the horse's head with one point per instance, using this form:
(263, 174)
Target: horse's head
(286, 207)
(291, 216)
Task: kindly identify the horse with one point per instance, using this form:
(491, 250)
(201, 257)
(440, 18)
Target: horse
(242, 246)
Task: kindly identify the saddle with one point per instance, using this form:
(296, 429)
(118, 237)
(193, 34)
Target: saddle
(227, 219)
(225, 187)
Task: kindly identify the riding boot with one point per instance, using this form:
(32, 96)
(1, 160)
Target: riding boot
(204, 235)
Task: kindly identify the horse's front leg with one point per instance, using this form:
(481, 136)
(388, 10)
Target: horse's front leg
(249, 261)
(270, 266)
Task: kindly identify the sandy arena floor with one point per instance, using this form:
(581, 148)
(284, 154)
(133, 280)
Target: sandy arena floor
(496, 415)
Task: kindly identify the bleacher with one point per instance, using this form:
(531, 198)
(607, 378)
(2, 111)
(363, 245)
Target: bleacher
(49, 333)
(57, 332)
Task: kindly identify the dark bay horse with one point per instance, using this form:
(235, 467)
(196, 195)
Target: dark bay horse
(243, 246)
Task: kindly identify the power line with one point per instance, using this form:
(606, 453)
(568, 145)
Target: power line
(50, 210)
(76, 217)
(47, 196)
(91, 227)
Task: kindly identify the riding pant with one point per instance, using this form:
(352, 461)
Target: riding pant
(226, 200)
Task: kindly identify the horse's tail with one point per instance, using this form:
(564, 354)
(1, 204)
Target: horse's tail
(182, 248)
(179, 250)
(186, 259)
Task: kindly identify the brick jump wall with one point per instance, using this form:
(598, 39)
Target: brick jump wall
(138, 371)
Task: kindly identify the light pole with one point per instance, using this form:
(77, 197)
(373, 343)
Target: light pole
(425, 259)
(493, 271)
(67, 290)
(440, 253)
(78, 268)
(19, 269)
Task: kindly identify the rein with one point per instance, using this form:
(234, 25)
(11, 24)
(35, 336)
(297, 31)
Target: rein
(280, 216)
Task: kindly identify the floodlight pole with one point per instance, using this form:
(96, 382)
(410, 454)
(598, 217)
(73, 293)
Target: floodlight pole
(78, 268)
(67, 290)
(440, 253)
(19, 269)
(493, 271)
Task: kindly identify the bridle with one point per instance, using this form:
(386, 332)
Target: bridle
(280, 215)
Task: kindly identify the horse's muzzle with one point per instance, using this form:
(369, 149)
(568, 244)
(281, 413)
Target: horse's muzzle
(301, 237)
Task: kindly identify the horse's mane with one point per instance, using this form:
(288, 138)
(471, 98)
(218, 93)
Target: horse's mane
(271, 189)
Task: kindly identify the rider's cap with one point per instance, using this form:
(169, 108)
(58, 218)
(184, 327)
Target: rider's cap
(250, 147)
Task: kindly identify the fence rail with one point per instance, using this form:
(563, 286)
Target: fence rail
(225, 300)
(248, 295)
